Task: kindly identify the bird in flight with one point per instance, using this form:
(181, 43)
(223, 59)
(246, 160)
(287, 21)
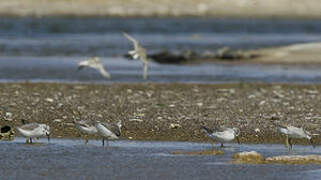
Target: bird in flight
(95, 63)
(138, 52)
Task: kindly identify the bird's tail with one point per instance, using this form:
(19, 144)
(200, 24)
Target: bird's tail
(119, 124)
(206, 130)
(23, 121)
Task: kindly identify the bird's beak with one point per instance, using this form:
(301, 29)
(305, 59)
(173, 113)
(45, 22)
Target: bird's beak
(48, 136)
(312, 143)
(238, 140)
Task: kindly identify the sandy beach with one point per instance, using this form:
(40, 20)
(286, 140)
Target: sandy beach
(168, 112)
(178, 8)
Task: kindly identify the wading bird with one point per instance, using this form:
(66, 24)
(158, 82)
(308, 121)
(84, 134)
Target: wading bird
(292, 132)
(222, 135)
(86, 127)
(108, 131)
(34, 130)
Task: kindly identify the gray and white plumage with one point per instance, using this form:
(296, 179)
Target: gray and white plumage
(86, 127)
(95, 63)
(34, 130)
(222, 134)
(293, 132)
(138, 52)
(108, 131)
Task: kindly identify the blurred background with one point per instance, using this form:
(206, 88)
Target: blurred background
(197, 41)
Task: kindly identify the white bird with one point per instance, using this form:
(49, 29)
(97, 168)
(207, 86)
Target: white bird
(86, 127)
(34, 130)
(108, 131)
(138, 52)
(222, 135)
(292, 132)
(95, 63)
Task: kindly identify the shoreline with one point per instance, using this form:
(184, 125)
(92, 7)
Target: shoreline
(166, 112)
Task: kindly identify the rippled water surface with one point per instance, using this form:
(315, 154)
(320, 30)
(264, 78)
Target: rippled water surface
(102, 36)
(71, 159)
(48, 49)
(64, 69)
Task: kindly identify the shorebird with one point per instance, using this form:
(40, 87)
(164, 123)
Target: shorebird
(108, 131)
(86, 127)
(222, 135)
(95, 63)
(34, 130)
(138, 52)
(292, 132)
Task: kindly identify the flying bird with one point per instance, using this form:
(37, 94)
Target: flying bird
(95, 63)
(222, 134)
(138, 52)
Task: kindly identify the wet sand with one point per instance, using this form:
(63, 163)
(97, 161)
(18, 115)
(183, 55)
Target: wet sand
(170, 112)
(147, 8)
(300, 54)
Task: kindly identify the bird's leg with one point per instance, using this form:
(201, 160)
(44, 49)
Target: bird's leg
(290, 142)
(27, 141)
(222, 145)
(287, 141)
(103, 142)
(213, 144)
(31, 140)
(86, 139)
(312, 143)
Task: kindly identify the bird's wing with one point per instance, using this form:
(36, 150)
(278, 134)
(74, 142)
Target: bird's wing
(221, 129)
(93, 61)
(145, 64)
(136, 43)
(208, 130)
(103, 71)
(143, 55)
(113, 128)
(82, 123)
(283, 126)
(96, 64)
(30, 126)
(82, 64)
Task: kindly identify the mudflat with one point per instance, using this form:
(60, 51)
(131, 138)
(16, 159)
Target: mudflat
(170, 112)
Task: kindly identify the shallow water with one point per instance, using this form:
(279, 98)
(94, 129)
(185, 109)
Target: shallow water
(71, 159)
(64, 69)
(48, 49)
(102, 36)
